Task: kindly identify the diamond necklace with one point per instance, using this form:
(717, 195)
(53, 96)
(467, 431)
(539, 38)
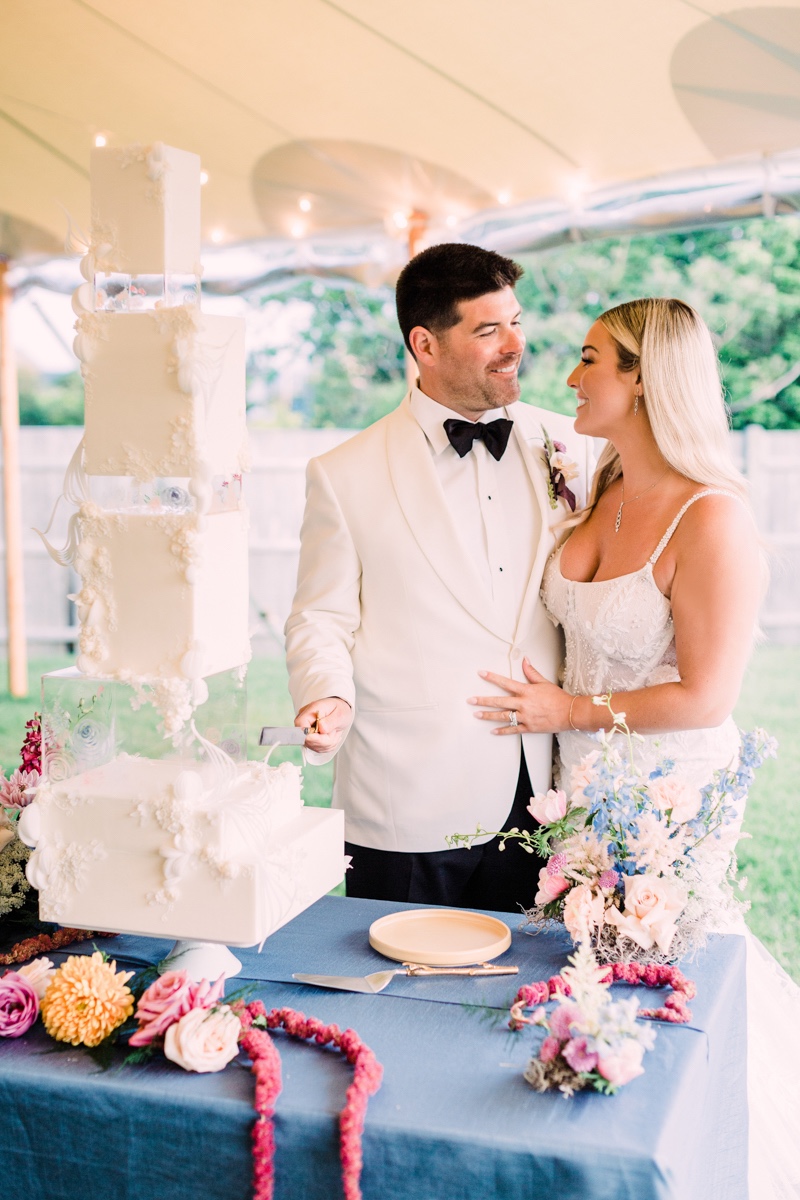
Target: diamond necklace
(618, 521)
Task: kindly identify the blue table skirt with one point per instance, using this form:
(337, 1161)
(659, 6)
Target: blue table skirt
(454, 1119)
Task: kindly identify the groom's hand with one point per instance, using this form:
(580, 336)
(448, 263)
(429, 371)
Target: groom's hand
(328, 721)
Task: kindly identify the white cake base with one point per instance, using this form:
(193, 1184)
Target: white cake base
(201, 960)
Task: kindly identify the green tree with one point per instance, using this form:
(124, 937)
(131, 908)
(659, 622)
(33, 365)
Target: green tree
(54, 400)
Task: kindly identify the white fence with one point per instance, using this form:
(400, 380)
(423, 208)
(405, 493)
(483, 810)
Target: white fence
(275, 494)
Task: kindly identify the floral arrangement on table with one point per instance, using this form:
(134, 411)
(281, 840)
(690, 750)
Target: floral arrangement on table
(626, 850)
(87, 1002)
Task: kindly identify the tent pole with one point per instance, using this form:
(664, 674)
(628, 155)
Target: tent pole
(12, 499)
(417, 227)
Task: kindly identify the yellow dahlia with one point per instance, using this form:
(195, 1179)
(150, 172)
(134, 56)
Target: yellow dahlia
(85, 1000)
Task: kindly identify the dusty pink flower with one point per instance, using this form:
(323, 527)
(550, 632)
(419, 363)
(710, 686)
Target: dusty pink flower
(624, 1065)
(583, 911)
(652, 906)
(13, 789)
(38, 974)
(609, 879)
(19, 1005)
(582, 774)
(562, 1020)
(550, 886)
(548, 808)
(549, 1049)
(667, 793)
(578, 1057)
(168, 999)
(203, 1041)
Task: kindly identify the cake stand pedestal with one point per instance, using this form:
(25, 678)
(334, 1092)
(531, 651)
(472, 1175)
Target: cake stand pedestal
(201, 960)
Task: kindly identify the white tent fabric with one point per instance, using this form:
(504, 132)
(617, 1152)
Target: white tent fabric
(367, 111)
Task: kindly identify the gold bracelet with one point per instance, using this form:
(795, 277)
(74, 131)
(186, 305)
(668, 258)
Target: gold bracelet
(572, 723)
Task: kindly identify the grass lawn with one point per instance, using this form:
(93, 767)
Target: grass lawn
(769, 858)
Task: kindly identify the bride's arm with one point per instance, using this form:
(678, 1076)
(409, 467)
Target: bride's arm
(715, 590)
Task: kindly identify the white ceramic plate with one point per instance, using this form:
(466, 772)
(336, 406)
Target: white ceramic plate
(440, 937)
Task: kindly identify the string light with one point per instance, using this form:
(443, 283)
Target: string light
(100, 140)
(400, 219)
(297, 228)
(217, 236)
(304, 204)
(451, 221)
(503, 197)
(203, 178)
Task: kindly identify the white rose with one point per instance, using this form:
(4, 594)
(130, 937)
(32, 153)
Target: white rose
(203, 1040)
(652, 906)
(38, 974)
(667, 793)
(567, 466)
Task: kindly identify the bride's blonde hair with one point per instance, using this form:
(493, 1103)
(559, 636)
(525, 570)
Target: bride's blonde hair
(671, 347)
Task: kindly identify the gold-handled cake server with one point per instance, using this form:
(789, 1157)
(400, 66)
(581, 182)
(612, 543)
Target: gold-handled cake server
(378, 980)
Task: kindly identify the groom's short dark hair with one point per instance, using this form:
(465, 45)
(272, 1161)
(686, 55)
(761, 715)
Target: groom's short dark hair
(433, 283)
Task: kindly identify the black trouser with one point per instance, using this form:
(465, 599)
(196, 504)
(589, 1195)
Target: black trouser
(482, 877)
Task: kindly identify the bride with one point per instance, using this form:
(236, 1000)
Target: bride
(657, 590)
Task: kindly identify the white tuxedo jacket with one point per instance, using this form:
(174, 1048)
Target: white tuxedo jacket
(392, 615)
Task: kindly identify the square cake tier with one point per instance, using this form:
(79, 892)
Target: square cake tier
(175, 849)
(162, 593)
(165, 392)
(146, 210)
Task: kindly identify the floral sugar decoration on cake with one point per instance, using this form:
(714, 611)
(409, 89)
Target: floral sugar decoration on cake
(634, 855)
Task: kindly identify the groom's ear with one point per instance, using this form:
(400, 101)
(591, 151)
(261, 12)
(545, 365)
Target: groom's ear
(423, 345)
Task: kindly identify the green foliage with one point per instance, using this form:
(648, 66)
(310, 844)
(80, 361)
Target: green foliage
(50, 401)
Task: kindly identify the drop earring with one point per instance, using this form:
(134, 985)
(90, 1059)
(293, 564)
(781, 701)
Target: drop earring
(635, 403)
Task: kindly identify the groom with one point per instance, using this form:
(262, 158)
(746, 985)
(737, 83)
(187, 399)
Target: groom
(423, 545)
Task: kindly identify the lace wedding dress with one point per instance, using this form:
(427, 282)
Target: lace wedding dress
(619, 638)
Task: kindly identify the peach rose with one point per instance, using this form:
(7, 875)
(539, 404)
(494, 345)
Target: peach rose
(550, 808)
(204, 1040)
(667, 793)
(583, 911)
(38, 974)
(652, 906)
(624, 1065)
(550, 886)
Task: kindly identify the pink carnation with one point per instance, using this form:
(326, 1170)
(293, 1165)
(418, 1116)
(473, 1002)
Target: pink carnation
(549, 1049)
(578, 1057)
(19, 1005)
(168, 999)
(562, 1020)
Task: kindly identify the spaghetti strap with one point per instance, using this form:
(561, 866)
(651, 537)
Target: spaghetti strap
(654, 557)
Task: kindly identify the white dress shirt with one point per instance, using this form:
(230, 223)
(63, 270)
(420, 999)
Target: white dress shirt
(492, 504)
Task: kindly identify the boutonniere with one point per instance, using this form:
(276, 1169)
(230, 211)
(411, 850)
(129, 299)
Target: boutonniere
(561, 470)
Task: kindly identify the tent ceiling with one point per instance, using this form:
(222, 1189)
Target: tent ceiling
(367, 109)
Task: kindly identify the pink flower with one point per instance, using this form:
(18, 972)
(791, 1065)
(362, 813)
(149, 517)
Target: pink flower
(549, 1049)
(550, 886)
(13, 789)
(583, 911)
(609, 879)
(652, 906)
(550, 808)
(578, 1057)
(204, 1041)
(19, 1005)
(583, 773)
(170, 998)
(38, 974)
(624, 1065)
(562, 1020)
(669, 793)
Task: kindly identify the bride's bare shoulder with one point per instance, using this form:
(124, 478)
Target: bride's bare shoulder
(719, 521)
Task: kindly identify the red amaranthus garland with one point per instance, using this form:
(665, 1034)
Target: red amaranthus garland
(43, 943)
(675, 1008)
(257, 1043)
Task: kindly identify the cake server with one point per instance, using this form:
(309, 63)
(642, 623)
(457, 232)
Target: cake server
(283, 735)
(378, 980)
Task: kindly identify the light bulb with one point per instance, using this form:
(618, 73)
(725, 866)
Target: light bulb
(217, 236)
(100, 140)
(503, 197)
(400, 219)
(203, 178)
(297, 228)
(304, 204)
(451, 221)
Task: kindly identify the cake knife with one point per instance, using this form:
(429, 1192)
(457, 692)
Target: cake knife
(378, 980)
(283, 735)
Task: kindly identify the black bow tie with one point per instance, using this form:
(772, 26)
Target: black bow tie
(461, 435)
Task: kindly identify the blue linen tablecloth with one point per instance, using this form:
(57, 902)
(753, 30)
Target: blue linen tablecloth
(454, 1119)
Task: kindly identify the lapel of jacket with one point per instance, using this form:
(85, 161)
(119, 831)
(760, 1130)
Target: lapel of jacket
(421, 499)
(534, 459)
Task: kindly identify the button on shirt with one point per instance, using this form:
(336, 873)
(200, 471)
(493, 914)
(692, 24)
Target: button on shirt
(493, 505)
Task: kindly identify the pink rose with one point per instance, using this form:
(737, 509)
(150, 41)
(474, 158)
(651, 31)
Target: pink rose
(19, 1005)
(550, 886)
(549, 1049)
(652, 906)
(38, 974)
(578, 1057)
(583, 911)
(563, 1018)
(625, 1064)
(168, 999)
(204, 1041)
(669, 793)
(550, 808)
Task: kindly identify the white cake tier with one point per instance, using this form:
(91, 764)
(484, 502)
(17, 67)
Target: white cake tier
(163, 594)
(145, 210)
(172, 848)
(165, 392)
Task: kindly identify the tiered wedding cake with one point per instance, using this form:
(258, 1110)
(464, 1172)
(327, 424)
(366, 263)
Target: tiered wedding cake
(148, 818)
